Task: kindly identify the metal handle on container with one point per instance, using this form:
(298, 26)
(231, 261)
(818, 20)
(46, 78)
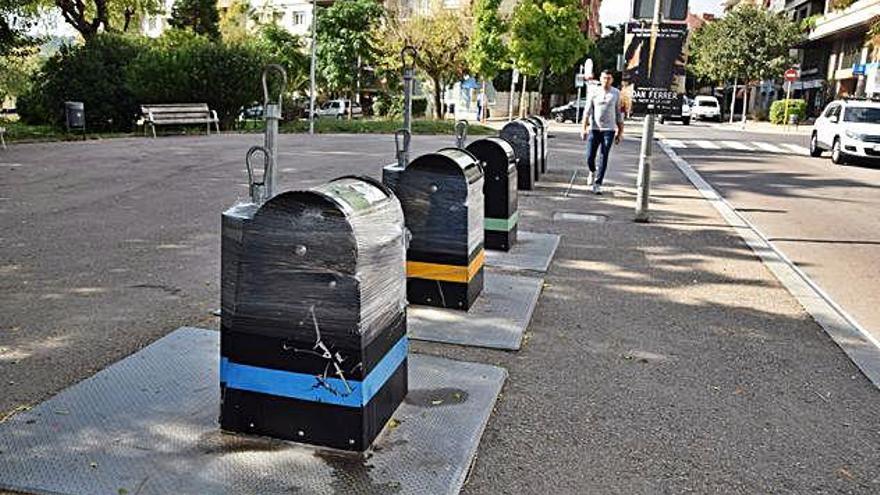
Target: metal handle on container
(257, 189)
(461, 128)
(277, 68)
(402, 149)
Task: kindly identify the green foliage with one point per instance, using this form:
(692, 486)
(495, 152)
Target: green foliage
(546, 35)
(749, 43)
(233, 21)
(182, 67)
(16, 19)
(287, 50)
(606, 50)
(441, 40)
(388, 106)
(93, 73)
(795, 107)
(345, 41)
(487, 53)
(198, 16)
(92, 17)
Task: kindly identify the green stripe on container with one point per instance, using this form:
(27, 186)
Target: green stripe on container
(502, 224)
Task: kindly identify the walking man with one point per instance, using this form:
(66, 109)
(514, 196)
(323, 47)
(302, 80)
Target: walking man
(602, 125)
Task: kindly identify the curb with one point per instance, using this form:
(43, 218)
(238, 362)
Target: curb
(861, 347)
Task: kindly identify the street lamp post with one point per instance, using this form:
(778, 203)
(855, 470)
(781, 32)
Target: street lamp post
(312, 67)
(643, 183)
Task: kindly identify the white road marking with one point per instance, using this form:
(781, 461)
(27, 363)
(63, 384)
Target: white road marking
(768, 147)
(736, 145)
(707, 145)
(675, 143)
(800, 150)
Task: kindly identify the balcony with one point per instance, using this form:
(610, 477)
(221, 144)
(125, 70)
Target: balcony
(854, 18)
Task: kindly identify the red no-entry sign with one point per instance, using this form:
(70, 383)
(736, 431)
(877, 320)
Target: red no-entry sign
(791, 75)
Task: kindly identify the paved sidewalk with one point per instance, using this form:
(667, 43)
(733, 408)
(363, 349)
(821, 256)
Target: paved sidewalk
(662, 358)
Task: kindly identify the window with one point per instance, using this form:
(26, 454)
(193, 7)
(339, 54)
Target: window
(864, 115)
(831, 111)
(299, 18)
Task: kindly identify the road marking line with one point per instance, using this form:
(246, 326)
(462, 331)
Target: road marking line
(737, 145)
(800, 150)
(707, 145)
(675, 143)
(861, 347)
(768, 147)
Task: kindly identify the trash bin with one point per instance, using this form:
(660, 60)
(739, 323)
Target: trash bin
(313, 323)
(521, 136)
(75, 116)
(499, 191)
(442, 198)
(543, 135)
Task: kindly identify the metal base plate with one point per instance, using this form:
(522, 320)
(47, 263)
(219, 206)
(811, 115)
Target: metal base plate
(148, 425)
(497, 320)
(533, 251)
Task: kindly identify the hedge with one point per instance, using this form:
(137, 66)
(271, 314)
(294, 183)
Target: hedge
(795, 107)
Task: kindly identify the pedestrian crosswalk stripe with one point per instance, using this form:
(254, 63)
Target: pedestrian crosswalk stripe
(675, 143)
(736, 145)
(707, 145)
(797, 149)
(768, 147)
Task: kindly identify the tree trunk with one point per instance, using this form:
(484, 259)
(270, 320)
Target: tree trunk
(522, 98)
(74, 13)
(438, 91)
(483, 111)
(745, 102)
(733, 99)
(541, 92)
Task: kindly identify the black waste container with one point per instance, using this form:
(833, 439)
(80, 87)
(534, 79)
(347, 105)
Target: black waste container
(542, 134)
(442, 198)
(521, 136)
(74, 115)
(499, 191)
(313, 328)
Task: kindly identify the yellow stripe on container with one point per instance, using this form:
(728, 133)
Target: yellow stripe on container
(445, 273)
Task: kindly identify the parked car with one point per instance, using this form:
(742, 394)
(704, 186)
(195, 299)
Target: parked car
(683, 116)
(339, 109)
(849, 128)
(569, 112)
(706, 108)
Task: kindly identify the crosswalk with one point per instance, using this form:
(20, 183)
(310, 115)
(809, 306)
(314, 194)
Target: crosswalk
(754, 146)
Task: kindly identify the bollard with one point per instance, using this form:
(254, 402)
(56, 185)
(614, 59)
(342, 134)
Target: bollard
(461, 128)
(521, 136)
(542, 134)
(499, 190)
(272, 114)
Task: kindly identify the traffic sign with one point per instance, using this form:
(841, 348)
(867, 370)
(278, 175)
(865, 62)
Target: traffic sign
(792, 75)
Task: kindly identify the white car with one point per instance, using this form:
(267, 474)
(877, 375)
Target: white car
(849, 128)
(706, 108)
(339, 109)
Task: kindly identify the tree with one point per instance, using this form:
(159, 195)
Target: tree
(546, 36)
(487, 53)
(441, 39)
(607, 49)
(286, 49)
(199, 16)
(234, 20)
(90, 17)
(748, 44)
(345, 42)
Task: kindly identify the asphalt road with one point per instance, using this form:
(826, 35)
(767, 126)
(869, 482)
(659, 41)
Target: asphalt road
(824, 217)
(661, 358)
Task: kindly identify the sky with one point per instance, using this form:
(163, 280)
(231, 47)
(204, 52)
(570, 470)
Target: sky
(617, 11)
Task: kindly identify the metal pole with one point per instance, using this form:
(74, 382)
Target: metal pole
(733, 99)
(408, 64)
(312, 67)
(643, 183)
(272, 114)
(787, 99)
(512, 95)
(745, 103)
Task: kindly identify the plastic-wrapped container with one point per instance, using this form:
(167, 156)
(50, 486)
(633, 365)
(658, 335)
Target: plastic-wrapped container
(313, 330)
(442, 198)
(521, 136)
(542, 135)
(499, 191)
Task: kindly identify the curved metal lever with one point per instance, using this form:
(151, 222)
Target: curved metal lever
(402, 148)
(257, 190)
(408, 62)
(277, 68)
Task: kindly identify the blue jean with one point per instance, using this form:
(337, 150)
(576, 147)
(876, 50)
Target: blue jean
(599, 141)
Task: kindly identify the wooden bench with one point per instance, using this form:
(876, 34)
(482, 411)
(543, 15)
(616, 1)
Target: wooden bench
(178, 114)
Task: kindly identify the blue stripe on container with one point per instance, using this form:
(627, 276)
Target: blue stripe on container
(306, 387)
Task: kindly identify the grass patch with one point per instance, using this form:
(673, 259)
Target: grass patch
(17, 131)
(366, 126)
